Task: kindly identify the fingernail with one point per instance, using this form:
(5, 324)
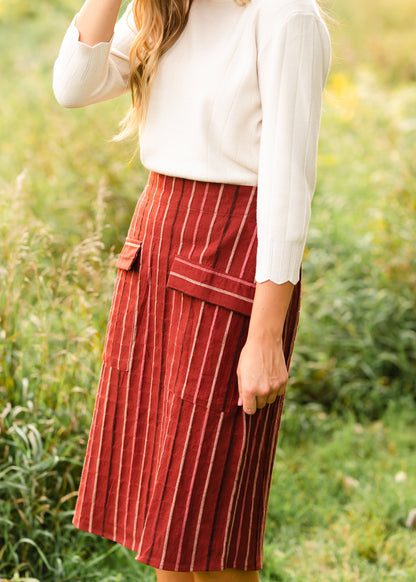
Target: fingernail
(240, 402)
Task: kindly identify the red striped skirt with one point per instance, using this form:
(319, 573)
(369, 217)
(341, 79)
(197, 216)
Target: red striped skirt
(174, 469)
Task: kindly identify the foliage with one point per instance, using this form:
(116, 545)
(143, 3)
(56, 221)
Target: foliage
(340, 497)
(373, 34)
(53, 318)
(40, 463)
(356, 345)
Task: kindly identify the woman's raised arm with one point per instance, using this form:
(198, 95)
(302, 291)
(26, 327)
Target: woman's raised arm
(93, 63)
(96, 21)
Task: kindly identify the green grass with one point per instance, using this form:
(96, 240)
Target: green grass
(341, 493)
(338, 506)
(373, 35)
(66, 155)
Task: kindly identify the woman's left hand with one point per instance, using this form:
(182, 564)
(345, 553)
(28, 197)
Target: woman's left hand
(262, 373)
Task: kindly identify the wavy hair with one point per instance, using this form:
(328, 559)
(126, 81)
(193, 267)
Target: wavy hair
(159, 23)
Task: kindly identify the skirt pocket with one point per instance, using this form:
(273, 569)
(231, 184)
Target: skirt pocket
(208, 324)
(121, 324)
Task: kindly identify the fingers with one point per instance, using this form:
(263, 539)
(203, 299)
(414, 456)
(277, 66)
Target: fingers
(255, 398)
(281, 384)
(262, 375)
(249, 403)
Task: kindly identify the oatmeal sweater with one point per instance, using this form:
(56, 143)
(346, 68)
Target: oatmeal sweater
(237, 99)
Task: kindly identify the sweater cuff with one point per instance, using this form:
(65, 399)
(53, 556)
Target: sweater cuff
(78, 68)
(279, 261)
(100, 47)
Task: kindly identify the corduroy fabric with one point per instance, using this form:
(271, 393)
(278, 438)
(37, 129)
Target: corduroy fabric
(174, 469)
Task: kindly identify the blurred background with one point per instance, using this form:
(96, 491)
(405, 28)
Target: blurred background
(345, 476)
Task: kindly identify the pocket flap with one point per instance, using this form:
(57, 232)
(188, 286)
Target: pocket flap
(129, 254)
(209, 285)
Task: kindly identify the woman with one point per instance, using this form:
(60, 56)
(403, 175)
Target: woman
(227, 101)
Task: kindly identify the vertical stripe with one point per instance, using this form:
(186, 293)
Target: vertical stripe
(122, 276)
(171, 460)
(202, 507)
(240, 230)
(205, 354)
(89, 456)
(150, 243)
(161, 302)
(198, 221)
(165, 442)
(236, 356)
(139, 212)
(244, 448)
(254, 437)
(113, 426)
(160, 468)
(133, 453)
(178, 331)
(214, 380)
(99, 456)
(226, 226)
(272, 453)
(211, 226)
(185, 222)
(122, 342)
(232, 505)
(195, 338)
(259, 462)
(216, 509)
(182, 331)
(162, 309)
(249, 252)
(238, 518)
(191, 486)
(175, 494)
(109, 337)
(149, 201)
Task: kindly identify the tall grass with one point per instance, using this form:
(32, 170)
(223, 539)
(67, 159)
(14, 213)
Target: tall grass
(53, 311)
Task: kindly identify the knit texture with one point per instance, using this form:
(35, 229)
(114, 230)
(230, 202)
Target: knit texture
(237, 99)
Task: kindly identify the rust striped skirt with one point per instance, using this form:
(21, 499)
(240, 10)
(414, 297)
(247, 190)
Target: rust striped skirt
(174, 469)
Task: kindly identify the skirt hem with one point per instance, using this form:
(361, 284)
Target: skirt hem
(167, 566)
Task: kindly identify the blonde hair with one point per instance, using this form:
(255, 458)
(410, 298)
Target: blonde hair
(159, 24)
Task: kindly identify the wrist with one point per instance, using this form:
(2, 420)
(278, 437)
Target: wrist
(265, 333)
(268, 315)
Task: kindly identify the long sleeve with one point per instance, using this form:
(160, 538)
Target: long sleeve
(84, 75)
(251, 118)
(293, 64)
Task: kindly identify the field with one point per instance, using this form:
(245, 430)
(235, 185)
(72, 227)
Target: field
(345, 477)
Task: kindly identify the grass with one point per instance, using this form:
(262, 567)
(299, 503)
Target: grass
(372, 36)
(339, 499)
(341, 493)
(341, 496)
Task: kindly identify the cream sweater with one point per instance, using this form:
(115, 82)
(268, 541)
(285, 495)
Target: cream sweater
(237, 99)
